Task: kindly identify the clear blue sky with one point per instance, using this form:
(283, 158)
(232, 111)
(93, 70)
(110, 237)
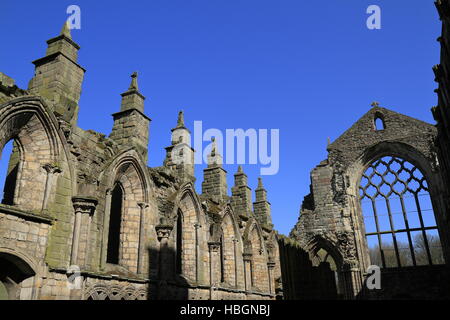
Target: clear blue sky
(308, 68)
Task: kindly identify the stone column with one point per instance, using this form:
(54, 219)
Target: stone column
(236, 283)
(141, 249)
(270, 268)
(51, 173)
(248, 271)
(163, 232)
(106, 213)
(214, 266)
(84, 208)
(165, 268)
(351, 282)
(197, 253)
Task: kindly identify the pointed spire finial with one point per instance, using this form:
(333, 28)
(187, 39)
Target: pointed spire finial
(214, 157)
(180, 121)
(240, 169)
(213, 148)
(328, 141)
(65, 31)
(260, 184)
(375, 104)
(134, 84)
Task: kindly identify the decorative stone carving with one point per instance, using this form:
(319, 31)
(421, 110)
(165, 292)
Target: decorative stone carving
(52, 168)
(84, 205)
(214, 246)
(66, 129)
(163, 229)
(339, 187)
(346, 245)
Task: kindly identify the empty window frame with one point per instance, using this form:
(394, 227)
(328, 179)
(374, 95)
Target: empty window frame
(400, 224)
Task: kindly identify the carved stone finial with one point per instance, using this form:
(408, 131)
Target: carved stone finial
(65, 31)
(134, 84)
(375, 104)
(214, 146)
(260, 184)
(180, 122)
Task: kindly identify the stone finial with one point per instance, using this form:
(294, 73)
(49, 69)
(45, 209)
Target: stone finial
(375, 104)
(260, 184)
(261, 207)
(214, 182)
(240, 178)
(65, 31)
(214, 157)
(134, 84)
(180, 121)
(214, 147)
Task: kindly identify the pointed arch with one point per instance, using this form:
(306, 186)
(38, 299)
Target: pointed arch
(426, 163)
(32, 125)
(253, 236)
(117, 166)
(186, 195)
(329, 266)
(232, 250)
(194, 258)
(128, 171)
(317, 243)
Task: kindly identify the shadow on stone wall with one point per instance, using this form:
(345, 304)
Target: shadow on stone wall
(301, 279)
(165, 284)
(411, 283)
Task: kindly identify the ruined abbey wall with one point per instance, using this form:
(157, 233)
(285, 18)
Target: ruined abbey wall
(84, 217)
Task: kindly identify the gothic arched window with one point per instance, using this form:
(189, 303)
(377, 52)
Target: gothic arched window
(398, 215)
(115, 220)
(9, 166)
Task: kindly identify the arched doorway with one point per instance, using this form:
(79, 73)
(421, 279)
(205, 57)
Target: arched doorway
(326, 275)
(327, 270)
(15, 275)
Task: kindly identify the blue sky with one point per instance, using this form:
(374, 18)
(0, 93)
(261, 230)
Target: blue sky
(307, 68)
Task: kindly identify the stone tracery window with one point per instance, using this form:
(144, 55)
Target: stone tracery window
(399, 220)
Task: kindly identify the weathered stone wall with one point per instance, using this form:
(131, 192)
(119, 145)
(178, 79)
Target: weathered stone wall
(331, 216)
(55, 232)
(20, 233)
